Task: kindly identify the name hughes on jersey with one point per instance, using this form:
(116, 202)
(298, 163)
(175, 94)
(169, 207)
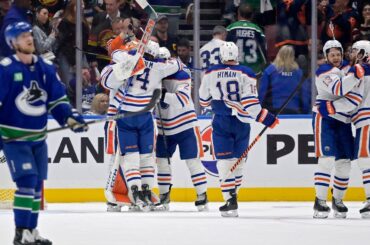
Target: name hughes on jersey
(226, 74)
(245, 33)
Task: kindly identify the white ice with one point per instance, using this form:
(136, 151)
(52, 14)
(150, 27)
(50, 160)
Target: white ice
(270, 223)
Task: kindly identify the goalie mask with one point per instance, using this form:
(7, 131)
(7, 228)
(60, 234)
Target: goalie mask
(229, 52)
(152, 48)
(362, 48)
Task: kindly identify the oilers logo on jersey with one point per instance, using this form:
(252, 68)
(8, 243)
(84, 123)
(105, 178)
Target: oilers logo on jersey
(27, 100)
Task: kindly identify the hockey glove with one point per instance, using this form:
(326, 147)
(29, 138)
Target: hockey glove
(268, 119)
(326, 108)
(76, 122)
(358, 71)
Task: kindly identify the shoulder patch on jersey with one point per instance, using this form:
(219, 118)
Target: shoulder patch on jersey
(6, 61)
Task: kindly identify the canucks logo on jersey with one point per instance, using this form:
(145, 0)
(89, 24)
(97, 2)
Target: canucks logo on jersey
(28, 101)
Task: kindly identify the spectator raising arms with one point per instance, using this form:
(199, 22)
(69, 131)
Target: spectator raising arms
(279, 80)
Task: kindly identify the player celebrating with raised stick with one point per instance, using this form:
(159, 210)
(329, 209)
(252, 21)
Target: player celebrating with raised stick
(30, 89)
(231, 91)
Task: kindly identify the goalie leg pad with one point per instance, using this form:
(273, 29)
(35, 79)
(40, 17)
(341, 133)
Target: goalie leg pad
(364, 165)
(198, 175)
(164, 176)
(147, 170)
(228, 186)
(323, 176)
(341, 177)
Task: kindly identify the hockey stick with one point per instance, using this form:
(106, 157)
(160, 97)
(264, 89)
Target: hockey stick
(153, 101)
(124, 70)
(164, 135)
(245, 153)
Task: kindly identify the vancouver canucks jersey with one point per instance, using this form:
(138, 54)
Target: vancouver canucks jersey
(251, 43)
(231, 91)
(177, 109)
(210, 53)
(27, 94)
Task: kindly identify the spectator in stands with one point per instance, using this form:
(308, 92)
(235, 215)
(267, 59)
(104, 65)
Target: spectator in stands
(209, 53)
(363, 31)
(128, 10)
(170, 8)
(279, 80)
(344, 20)
(4, 8)
(66, 36)
(249, 38)
(183, 52)
(165, 39)
(16, 13)
(99, 105)
(43, 34)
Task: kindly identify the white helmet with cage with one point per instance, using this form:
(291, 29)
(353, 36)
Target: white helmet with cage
(332, 44)
(363, 47)
(152, 48)
(228, 52)
(164, 53)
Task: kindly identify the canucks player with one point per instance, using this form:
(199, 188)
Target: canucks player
(210, 52)
(231, 91)
(30, 89)
(177, 126)
(332, 129)
(136, 134)
(249, 38)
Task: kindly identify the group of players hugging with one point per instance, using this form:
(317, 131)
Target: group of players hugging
(30, 89)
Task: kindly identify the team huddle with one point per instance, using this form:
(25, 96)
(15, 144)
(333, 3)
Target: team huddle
(137, 145)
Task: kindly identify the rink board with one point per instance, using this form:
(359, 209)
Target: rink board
(280, 166)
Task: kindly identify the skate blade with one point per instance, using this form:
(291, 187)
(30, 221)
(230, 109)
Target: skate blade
(320, 215)
(365, 215)
(113, 209)
(230, 213)
(159, 207)
(134, 208)
(202, 208)
(340, 215)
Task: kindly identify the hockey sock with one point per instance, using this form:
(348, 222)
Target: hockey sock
(198, 176)
(147, 169)
(23, 200)
(341, 177)
(36, 205)
(131, 166)
(164, 175)
(223, 167)
(238, 176)
(322, 176)
(366, 181)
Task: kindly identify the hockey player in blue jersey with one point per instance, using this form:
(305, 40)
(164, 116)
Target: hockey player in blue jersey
(30, 89)
(231, 91)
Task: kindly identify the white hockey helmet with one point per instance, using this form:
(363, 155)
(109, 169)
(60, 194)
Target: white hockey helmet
(152, 48)
(164, 53)
(228, 52)
(332, 44)
(363, 46)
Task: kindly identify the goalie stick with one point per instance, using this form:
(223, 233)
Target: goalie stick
(245, 153)
(153, 101)
(124, 70)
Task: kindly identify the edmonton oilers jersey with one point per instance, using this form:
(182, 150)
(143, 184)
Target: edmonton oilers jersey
(27, 93)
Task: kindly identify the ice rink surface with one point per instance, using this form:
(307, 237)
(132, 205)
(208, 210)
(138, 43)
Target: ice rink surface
(270, 223)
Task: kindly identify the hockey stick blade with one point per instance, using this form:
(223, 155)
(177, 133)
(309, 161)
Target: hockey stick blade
(245, 153)
(153, 101)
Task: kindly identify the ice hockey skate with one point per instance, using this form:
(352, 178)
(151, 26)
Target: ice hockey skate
(230, 209)
(321, 209)
(340, 210)
(202, 202)
(112, 207)
(165, 200)
(39, 240)
(138, 200)
(365, 211)
(23, 236)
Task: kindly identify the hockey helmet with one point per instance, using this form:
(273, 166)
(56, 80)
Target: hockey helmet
(152, 48)
(331, 44)
(228, 52)
(13, 30)
(164, 53)
(119, 56)
(363, 46)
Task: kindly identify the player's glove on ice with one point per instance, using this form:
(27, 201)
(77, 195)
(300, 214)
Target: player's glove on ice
(326, 108)
(76, 122)
(268, 119)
